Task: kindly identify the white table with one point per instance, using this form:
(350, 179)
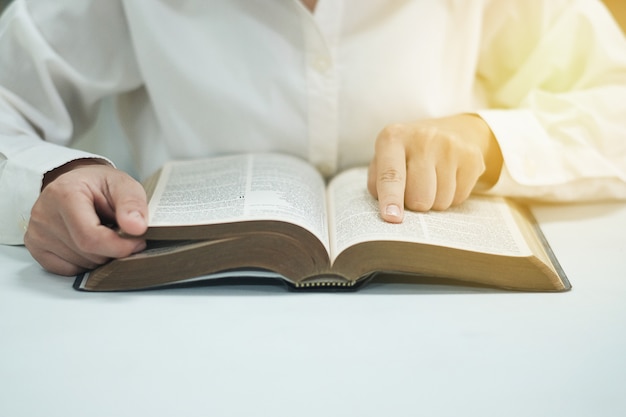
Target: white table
(384, 351)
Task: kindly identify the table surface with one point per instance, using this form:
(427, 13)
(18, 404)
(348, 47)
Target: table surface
(387, 350)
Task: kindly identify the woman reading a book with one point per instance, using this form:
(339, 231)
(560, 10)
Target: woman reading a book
(523, 98)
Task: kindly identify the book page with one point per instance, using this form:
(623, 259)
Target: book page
(241, 188)
(482, 224)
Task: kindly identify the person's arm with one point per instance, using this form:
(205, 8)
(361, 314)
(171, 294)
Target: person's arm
(555, 77)
(556, 90)
(58, 61)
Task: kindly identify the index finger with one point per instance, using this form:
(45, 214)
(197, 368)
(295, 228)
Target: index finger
(90, 237)
(389, 174)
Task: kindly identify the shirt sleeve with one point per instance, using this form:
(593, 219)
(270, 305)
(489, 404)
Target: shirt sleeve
(57, 62)
(554, 74)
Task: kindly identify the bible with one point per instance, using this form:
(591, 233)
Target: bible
(264, 217)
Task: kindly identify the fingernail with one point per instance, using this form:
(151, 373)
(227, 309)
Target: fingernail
(136, 215)
(392, 210)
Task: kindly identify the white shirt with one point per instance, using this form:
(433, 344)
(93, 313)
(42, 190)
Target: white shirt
(197, 78)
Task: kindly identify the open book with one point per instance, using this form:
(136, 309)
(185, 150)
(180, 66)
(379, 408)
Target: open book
(267, 216)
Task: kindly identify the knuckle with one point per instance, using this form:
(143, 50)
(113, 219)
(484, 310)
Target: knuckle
(392, 133)
(390, 175)
(429, 133)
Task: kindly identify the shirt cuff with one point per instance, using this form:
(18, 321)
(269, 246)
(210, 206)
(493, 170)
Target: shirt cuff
(21, 175)
(536, 159)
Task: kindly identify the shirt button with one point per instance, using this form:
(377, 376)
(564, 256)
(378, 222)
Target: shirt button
(321, 63)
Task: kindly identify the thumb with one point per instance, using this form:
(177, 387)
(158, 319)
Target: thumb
(129, 201)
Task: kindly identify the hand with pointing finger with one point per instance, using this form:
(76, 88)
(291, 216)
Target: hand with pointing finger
(431, 164)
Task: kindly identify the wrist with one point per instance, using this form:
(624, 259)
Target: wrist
(492, 155)
(70, 166)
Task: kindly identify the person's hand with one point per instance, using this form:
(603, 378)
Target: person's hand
(431, 164)
(71, 224)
